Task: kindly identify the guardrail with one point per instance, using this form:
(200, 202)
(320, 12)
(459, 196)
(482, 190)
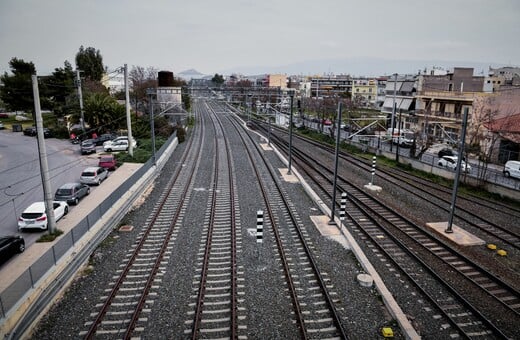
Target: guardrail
(28, 280)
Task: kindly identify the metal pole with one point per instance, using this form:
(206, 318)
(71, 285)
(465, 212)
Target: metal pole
(269, 131)
(333, 205)
(290, 134)
(152, 128)
(44, 167)
(398, 139)
(457, 172)
(393, 111)
(80, 97)
(128, 118)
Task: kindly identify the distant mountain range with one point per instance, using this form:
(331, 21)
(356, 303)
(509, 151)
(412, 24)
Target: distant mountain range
(369, 67)
(191, 74)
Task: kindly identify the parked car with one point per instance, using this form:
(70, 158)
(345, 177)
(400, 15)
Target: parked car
(327, 122)
(120, 145)
(120, 138)
(100, 140)
(34, 217)
(108, 162)
(512, 169)
(93, 175)
(446, 152)
(9, 245)
(450, 162)
(31, 131)
(88, 146)
(1, 126)
(72, 192)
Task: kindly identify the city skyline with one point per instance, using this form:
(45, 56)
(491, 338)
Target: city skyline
(264, 37)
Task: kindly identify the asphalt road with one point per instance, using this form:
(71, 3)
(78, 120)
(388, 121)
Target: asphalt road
(20, 178)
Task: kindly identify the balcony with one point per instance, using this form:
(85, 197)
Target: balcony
(449, 95)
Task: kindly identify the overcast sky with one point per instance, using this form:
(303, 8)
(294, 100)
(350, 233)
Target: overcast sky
(223, 35)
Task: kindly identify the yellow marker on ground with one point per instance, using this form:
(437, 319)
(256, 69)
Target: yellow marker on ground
(492, 246)
(388, 332)
(502, 252)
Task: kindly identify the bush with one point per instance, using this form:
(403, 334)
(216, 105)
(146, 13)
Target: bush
(50, 236)
(181, 134)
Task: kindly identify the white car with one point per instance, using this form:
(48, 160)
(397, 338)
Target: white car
(120, 145)
(120, 138)
(450, 162)
(34, 217)
(512, 169)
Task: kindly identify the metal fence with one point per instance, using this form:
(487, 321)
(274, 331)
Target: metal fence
(29, 279)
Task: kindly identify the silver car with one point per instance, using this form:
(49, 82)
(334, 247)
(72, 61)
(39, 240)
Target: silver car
(93, 175)
(72, 192)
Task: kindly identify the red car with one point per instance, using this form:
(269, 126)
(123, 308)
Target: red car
(108, 162)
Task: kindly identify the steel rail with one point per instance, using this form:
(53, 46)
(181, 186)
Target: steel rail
(92, 329)
(280, 246)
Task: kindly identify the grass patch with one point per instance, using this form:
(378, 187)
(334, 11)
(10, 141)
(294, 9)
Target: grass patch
(107, 242)
(142, 153)
(49, 237)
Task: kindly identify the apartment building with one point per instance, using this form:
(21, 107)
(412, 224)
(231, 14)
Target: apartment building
(496, 125)
(401, 90)
(331, 86)
(380, 92)
(441, 100)
(364, 92)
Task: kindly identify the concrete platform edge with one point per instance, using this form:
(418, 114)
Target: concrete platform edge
(390, 303)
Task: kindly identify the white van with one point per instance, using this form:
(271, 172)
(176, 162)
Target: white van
(512, 169)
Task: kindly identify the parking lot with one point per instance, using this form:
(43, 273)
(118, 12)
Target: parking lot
(20, 177)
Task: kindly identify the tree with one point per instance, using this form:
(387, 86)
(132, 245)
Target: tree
(17, 93)
(141, 79)
(218, 79)
(60, 89)
(90, 62)
(104, 112)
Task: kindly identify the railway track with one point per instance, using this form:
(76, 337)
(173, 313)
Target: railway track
(309, 289)
(125, 306)
(382, 224)
(468, 208)
(216, 304)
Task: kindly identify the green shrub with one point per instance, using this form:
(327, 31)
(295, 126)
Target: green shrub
(50, 236)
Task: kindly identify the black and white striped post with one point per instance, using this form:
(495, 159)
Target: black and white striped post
(259, 226)
(373, 170)
(343, 206)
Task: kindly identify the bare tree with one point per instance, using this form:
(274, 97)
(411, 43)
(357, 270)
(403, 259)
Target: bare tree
(140, 80)
(490, 122)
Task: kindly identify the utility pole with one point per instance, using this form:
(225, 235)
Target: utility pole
(80, 96)
(336, 157)
(128, 118)
(151, 92)
(44, 167)
(290, 133)
(449, 229)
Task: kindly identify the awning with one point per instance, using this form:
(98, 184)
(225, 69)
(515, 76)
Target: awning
(389, 101)
(407, 86)
(405, 104)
